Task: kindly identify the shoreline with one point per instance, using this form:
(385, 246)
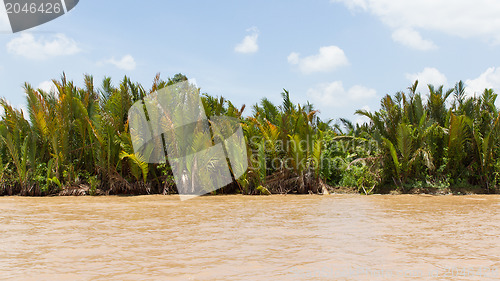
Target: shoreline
(332, 193)
(85, 190)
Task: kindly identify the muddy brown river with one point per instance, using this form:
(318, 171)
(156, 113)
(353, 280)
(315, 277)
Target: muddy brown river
(309, 237)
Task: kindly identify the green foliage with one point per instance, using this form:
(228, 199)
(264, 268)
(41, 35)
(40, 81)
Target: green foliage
(94, 184)
(285, 145)
(262, 190)
(435, 144)
(80, 135)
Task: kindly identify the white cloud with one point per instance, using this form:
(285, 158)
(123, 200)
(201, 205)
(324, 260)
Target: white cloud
(411, 38)
(429, 75)
(47, 86)
(249, 44)
(490, 79)
(4, 19)
(329, 58)
(334, 95)
(334, 101)
(359, 93)
(293, 58)
(127, 62)
(354, 4)
(27, 46)
(465, 19)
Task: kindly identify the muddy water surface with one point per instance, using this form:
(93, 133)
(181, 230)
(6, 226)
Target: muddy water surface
(338, 237)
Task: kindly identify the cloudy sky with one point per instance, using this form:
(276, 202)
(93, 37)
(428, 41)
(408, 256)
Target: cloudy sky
(341, 55)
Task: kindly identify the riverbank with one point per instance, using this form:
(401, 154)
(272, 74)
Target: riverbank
(86, 190)
(458, 190)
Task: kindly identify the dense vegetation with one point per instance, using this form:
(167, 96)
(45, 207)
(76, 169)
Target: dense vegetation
(77, 141)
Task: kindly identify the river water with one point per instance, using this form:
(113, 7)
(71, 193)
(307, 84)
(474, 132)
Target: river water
(293, 237)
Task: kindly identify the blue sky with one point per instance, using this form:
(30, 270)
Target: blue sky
(341, 55)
